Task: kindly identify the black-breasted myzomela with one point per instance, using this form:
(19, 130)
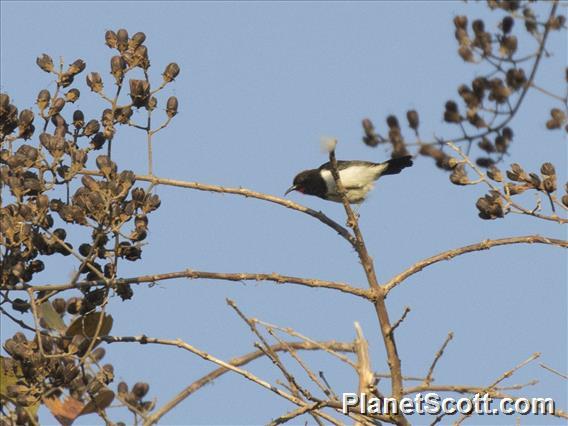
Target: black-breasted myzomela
(357, 177)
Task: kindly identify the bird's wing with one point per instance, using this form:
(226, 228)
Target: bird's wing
(354, 174)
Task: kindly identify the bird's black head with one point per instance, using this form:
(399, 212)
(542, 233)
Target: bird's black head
(309, 182)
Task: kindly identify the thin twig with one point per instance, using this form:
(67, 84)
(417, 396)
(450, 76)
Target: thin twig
(428, 379)
(239, 361)
(552, 370)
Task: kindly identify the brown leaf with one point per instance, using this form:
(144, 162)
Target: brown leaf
(101, 401)
(65, 411)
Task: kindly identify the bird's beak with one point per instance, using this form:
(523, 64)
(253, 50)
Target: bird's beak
(292, 188)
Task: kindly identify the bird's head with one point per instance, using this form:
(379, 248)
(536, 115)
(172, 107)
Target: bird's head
(307, 182)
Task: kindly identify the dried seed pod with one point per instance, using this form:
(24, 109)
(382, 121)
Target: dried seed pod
(122, 40)
(172, 106)
(506, 24)
(151, 203)
(5, 103)
(530, 21)
(122, 388)
(122, 115)
(138, 195)
(56, 106)
(548, 169)
(74, 305)
(451, 114)
(45, 62)
(140, 389)
(125, 291)
(495, 174)
(499, 92)
(466, 53)
(557, 22)
(501, 144)
(76, 67)
(152, 103)
(508, 46)
(92, 127)
(85, 249)
(107, 117)
(139, 92)
(392, 122)
(516, 78)
(106, 166)
(139, 58)
(138, 235)
(459, 175)
(515, 189)
(72, 95)
(78, 119)
(565, 200)
(490, 207)
(476, 120)
(478, 26)
(97, 141)
(98, 354)
(95, 82)
(549, 184)
(413, 119)
(117, 67)
(43, 98)
(485, 162)
(535, 180)
(171, 72)
(460, 21)
(370, 138)
(26, 119)
(137, 39)
(111, 39)
(557, 120)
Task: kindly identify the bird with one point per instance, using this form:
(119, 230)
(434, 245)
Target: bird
(357, 177)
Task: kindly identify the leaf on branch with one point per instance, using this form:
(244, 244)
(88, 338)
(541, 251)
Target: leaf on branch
(65, 411)
(86, 326)
(51, 317)
(101, 401)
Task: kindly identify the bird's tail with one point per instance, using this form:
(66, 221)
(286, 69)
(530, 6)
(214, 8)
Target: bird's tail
(395, 165)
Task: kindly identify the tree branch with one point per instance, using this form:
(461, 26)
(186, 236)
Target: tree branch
(240, 361)
(208, 357)
(484, 245)
(393, 359)
(191, 274)
(245, 193)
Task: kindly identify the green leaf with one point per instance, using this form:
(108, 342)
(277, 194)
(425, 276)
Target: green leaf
(51, 317)
(86, 326)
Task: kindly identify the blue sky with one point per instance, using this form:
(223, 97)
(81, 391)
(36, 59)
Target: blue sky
(260, 84)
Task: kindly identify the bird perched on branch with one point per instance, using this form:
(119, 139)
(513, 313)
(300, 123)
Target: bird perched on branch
(357, 177)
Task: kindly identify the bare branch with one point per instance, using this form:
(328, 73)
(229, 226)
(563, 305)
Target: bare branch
(484, 245)
(242, 360)
(245, 193)
(428, 378)
(208, 357)
(552, 370)
(191, 274)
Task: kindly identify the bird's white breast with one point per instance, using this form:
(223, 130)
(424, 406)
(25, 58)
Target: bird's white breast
(357, 180)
